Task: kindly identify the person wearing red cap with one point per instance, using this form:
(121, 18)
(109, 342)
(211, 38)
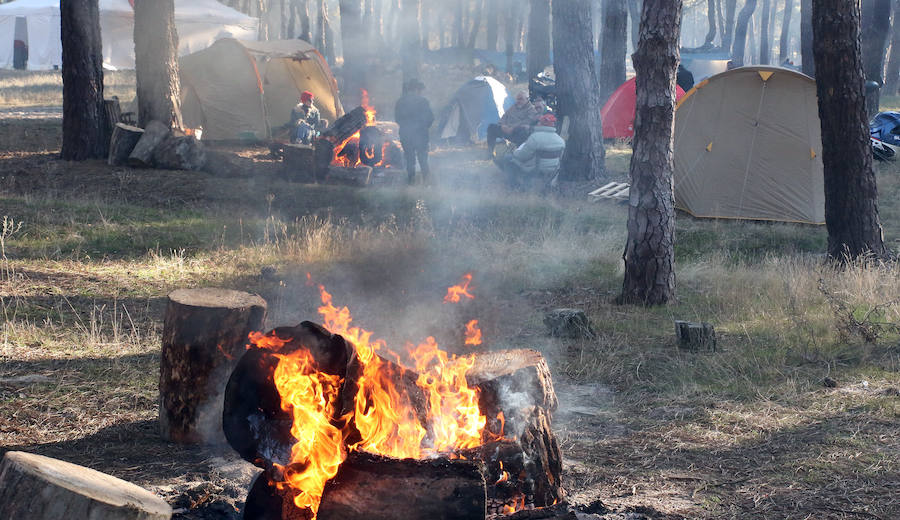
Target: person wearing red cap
(305, 119)
(538, 157)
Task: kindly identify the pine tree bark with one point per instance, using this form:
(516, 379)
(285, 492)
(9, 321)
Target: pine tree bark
(84, 117)
(411, 46)
(851, 196)
(807, 56)
(538, 47)
(649, 251)
(493, 24)
(302, 7)
(156, 63)
(875, 24)
(740, 33)
(764, 54)
(785, 46)
(892, 76)
(577, 90)
(728, 29)
(354, 45)
(613, 47)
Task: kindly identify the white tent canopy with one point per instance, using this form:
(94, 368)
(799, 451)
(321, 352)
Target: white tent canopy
(199, 23)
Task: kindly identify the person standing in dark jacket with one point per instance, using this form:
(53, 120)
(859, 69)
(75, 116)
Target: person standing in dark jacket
(414, 117)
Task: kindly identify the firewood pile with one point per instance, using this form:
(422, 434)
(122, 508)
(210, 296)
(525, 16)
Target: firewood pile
(516, 465)
(155, 146)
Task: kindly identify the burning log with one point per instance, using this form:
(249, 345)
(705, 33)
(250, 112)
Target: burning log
(372, 487)
(35, 487)
(370, 146)
(204, 333)
(299, 163)
(142, 154)
(123, 140)
(346, 126)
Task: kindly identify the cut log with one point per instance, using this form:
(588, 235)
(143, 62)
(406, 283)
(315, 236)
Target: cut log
(123, 140)
(359, 176)
(569, 323)
(180, 153)
(346, 125)
(254, 423)
(371, 143)
(323, 154)
(113, 116)
(142, 154)
(521, 374)
(204, 334)
(299, 163)
(371, 487)
(34, 487)
(696, 337)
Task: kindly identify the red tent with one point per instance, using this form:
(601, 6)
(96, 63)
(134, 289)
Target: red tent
(618, 112)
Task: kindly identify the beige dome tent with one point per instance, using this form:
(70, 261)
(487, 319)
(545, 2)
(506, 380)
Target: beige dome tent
(240, 89)
(748, 146)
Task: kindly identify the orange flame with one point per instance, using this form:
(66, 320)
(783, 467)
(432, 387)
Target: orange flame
(370, 121)
(504, 475)
(455, 293)
(473, 333)
(517, 505)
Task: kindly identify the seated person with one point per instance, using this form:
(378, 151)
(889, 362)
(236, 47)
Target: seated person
(515, 124)
(538, 156)
(305, 120)
(540, 106)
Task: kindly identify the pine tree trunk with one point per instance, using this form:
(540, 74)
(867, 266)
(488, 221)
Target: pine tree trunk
(892, 79)
(302, 7)
(577, 90)
(538, 48)
(634, 12)
(411, 46)
(156, 63)
(262, 10)
(493, 24)
(764, 54)
(353, 40)
(459, 35)
(807, 56)
(613, 47)
(851, 196)
(649, 251)
(509, 32)
(740, 33)
(785, 47)
(711, 21)
(84, 117)
(728, 29)
(875, 24)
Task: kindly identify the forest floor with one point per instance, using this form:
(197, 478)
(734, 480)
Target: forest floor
(88, 253)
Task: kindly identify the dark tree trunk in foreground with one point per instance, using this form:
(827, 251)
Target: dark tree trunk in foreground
(711, 22)
(892, 76)
(156, 63)
(411, 41)
(764, 54)
(84, 118)
(807, 57)
(354, 45)
(728, 30)
(785, 47)
(577, 90)
(613, 47)
(851, 197)
(493, 24)
(740, 33)
(538, 47)
(650, 249)
(874, 27)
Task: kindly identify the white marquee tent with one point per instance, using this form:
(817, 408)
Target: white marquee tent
(199, 23)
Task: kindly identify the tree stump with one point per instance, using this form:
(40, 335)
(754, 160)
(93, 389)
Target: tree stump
(142, 154)
(358, 176)
(299, 162)
(569, 323)
(34, 487)
(179, 153)
(696, 337)
(204, 335)
(123, 140)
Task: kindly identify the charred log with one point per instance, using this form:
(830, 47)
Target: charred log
(299, 163)
(346, 125)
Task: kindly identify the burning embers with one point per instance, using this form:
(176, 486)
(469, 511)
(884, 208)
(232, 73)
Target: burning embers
(312, 403)
(371, 145)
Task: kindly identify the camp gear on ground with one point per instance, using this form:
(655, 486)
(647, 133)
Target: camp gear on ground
(239, 88)
(748, 145)
(884, 130)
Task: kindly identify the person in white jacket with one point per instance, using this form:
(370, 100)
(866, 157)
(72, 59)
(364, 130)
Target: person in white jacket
(537, 157)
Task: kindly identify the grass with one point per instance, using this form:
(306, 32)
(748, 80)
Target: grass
(89, 253)
(27, 88)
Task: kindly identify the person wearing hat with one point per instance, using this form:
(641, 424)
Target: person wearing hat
(305, 119)
(538, 156)
(414, 117)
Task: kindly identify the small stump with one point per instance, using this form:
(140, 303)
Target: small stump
(204, 335)
(569, 323)
(299, 163)
(34, 487)
(696, 337)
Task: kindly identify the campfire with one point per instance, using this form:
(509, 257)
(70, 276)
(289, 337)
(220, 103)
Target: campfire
(346, 427)
(370, 145)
